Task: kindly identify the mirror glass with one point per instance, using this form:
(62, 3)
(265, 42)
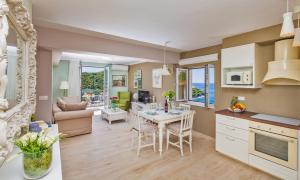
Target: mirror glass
(14, 45)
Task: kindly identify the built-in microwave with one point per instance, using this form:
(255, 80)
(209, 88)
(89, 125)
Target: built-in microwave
(239, 78)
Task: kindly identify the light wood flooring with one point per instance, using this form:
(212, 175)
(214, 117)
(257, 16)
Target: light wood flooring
(107, 154)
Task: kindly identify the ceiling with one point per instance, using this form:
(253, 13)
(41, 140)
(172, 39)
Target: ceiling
(188, 24)
(101, 58)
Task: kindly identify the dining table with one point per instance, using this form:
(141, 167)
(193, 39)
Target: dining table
(162, 118)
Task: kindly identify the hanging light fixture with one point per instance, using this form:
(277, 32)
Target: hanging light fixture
(296, 41)
(165, 71)
(287, 29)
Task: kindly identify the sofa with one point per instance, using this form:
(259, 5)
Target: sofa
(72, 123)
(123, 100)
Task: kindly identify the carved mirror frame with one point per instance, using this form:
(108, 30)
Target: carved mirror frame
(13, 12)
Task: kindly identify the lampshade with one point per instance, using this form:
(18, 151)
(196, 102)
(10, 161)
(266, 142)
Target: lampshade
(165, 71)
(64, 85)
(296, 41)
(287, 29)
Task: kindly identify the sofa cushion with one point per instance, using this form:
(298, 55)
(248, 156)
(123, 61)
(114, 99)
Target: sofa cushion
(71, 106)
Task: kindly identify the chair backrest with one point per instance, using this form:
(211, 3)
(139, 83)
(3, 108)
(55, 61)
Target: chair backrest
(152, 106)
(187, 121)
(124, 95)
(135, 120)
(185, 106)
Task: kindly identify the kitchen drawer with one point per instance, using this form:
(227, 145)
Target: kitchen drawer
(232, 131)
(233, 147)
(232, 121)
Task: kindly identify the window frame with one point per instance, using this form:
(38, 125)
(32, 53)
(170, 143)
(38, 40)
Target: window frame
(207, 83)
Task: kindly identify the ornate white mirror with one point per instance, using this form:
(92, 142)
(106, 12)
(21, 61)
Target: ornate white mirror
(17, 72)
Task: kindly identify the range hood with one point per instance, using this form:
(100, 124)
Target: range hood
(285, 70)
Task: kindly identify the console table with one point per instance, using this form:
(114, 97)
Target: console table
(13, 170)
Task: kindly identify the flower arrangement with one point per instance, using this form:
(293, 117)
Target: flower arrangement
(114, 99)
(37, 153)
(169, 95)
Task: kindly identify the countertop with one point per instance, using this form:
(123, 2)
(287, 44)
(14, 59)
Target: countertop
(247, 115)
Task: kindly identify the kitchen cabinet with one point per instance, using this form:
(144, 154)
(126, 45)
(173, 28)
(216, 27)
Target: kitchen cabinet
(232, 137)
(248, 57)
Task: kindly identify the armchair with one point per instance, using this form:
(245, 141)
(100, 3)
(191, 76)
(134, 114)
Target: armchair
(123, 100)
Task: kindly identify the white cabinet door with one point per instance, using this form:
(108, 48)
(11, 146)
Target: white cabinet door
(240, 56)
(231, 146)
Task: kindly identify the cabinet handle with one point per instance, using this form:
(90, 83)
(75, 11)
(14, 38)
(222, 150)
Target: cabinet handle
(230, 139)
(231, 129)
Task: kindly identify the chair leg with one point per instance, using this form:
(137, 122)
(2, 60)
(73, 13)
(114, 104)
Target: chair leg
(154, 141)
(181, 147)
(168, 139)
(132, 145)
(190, 141)
(139, 144)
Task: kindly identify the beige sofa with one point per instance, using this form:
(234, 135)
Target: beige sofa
(72, 123)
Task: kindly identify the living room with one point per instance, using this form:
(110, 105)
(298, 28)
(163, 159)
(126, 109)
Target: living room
(149, 89)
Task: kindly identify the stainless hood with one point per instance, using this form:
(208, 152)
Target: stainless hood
(285, 70)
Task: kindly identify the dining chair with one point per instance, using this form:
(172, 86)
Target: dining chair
(185, 106)
(181, 129)
(152, 106)
(143, 129)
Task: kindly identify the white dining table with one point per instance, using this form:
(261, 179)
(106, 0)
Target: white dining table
(161, 118)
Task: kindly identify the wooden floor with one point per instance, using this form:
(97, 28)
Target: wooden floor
(107, 154)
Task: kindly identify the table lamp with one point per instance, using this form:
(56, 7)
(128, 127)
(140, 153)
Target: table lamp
(64, 85)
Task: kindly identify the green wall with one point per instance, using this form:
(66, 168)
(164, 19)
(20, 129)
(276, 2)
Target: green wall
(60, 73)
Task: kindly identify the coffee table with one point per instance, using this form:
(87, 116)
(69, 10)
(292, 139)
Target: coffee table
(113, 115)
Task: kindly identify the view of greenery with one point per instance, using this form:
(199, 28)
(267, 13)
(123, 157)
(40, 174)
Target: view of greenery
(92, 82)
(196, 92)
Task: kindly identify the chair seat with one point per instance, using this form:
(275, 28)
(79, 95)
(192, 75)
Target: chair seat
(174, 127)
(147, 128)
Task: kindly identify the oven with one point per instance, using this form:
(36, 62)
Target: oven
(274, 143)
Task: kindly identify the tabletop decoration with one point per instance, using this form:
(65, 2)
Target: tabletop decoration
(169, 95)
(37, 153)
(114, 101)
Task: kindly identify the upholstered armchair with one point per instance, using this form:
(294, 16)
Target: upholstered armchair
(123, 100)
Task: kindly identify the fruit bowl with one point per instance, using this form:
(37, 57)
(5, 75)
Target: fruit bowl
(236, 110)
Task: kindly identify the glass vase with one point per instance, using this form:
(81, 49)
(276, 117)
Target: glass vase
(113, 106)
(37, 165)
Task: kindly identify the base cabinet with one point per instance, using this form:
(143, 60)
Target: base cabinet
(233, 147)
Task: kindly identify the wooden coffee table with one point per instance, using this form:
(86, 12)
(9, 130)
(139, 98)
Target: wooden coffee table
(113, 115)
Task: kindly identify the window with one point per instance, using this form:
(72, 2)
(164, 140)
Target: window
(200, 85)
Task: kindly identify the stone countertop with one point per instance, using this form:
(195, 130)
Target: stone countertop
(247, 115)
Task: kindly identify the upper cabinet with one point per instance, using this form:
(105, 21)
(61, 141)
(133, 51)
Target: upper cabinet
(240, 56)
(243, 66)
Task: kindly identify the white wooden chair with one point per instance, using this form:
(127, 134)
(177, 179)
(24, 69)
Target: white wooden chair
(143, 130)
(185, 106)
(181, 129)
(152, 106)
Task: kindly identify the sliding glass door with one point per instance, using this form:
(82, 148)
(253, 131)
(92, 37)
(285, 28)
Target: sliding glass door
(92, 85)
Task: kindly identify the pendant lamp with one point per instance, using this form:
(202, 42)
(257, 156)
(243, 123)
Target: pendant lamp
(165, 71)
(287, 29)
(296, 42)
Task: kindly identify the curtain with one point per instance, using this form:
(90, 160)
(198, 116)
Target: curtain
(74, 78)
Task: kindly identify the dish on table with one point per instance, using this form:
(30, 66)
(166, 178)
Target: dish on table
(175, 112)
(151, 113)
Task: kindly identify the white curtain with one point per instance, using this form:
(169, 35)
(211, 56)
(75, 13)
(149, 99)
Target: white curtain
(74, 78)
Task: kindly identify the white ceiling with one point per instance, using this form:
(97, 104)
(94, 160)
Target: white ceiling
(188, 24)
(101, 58)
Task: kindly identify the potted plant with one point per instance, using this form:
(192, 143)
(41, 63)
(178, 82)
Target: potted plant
(37, 153)
(182, 78)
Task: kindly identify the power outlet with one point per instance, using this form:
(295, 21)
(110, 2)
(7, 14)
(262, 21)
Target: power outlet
(241, 98)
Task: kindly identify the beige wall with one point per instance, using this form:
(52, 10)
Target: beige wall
(44, 84)
(72, 41)
(168, 81)
(277, 100)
